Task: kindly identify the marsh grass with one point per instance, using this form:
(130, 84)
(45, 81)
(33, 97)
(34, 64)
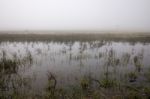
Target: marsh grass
(108, 83)
(8, 65)
(12, 84)
(132, 76)
(108, 89)
(105, 86)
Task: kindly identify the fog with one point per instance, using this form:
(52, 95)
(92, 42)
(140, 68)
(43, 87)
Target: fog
(75, 15)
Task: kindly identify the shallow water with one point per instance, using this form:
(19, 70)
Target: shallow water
(69, 62)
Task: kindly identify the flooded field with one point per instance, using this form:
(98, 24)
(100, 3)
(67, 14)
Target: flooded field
(106, 68)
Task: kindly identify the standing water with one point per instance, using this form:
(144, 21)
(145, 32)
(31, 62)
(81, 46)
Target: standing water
(88, 69)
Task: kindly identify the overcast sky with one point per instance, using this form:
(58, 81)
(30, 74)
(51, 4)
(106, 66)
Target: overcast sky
(98, 15)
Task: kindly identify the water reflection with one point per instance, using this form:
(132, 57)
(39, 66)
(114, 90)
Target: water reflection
(82, 69)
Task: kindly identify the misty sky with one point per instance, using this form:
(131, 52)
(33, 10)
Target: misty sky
(86, 15)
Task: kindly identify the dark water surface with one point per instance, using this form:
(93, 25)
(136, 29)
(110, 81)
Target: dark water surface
(75, 69)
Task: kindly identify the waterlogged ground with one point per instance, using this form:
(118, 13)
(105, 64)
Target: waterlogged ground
(95, 69)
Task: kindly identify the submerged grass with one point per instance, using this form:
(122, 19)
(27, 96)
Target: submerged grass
(108, 83)
(108, 87)
(12, 84)
(132, 76)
